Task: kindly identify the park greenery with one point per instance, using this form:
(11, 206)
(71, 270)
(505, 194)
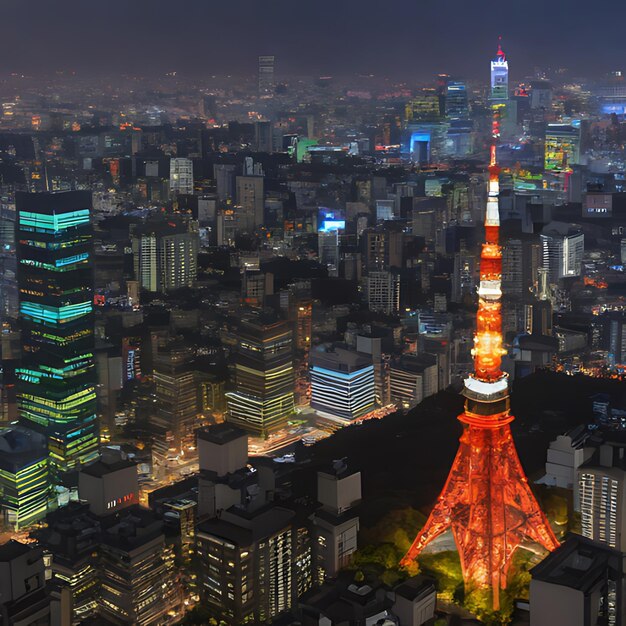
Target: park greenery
(385, 543)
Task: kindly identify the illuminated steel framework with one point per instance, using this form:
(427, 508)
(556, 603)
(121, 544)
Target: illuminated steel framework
(56, 381)
(486, 501)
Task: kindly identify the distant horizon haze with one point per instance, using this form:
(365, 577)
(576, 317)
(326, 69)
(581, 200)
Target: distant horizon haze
(414, 39)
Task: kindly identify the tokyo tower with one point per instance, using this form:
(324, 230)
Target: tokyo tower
(486, 501)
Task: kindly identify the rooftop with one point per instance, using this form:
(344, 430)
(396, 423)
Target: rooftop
(579, 563)
(242, 527)
(416, 587)
(339, 359)
(101, 468)
(12, 550)
(220, 433)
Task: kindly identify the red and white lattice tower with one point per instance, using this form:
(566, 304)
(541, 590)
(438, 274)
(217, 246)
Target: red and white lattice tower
(486, 501)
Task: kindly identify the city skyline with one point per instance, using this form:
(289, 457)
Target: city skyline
(404, 39)
(247, 318)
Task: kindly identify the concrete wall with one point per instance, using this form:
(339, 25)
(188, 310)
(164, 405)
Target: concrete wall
(555, 605)
(224, 458)
(339, 494)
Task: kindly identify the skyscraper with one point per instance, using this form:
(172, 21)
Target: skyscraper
(225, 175)
(266, 75)
(165, 254)
(264, 396)
(602, 494)
(176, 392)
(328, 250)
(56, 381)
(137, 574)
(457, 106)
(562, 249)
(250, 198)
(181, 176)
(383, 291)
(247, 564)
(499, 75)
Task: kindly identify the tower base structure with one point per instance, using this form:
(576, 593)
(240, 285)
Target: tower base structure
(486, 501)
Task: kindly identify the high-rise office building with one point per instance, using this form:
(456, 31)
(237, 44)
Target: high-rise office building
(137, 576)
(562, 250)
(266, 75)
(328, 251)
(181, 176)
(342, 383)
(256, 286)
(383, 248)
(71, 539)
(464, 277)
(602, 495)
(8, 271)
(177, 408)
(24, 479)
(457, 106)
(56, 381)
(562, 147)
(247, 564)
(264, 395)
(255, 557)
(427, 106)
(521, 258)
(541, 95)
(499, 76)
(250, 199)
(383, 291)
(614, 336)
(263, 136)
(225, 175)
(413, 378)
(165, 254)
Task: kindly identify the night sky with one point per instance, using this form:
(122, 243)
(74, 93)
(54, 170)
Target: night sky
(411, 38)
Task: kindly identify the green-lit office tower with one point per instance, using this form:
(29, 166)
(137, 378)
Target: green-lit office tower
(264, 397)
(56, 392)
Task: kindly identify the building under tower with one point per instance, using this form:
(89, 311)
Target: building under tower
(56, 391)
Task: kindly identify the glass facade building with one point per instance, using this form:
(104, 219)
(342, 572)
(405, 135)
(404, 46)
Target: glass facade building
(56, 392)
(264, 395)
(24, 483)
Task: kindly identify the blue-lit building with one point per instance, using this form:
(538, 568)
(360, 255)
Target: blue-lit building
(56, 391)
(342, 383)
(425, 127)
